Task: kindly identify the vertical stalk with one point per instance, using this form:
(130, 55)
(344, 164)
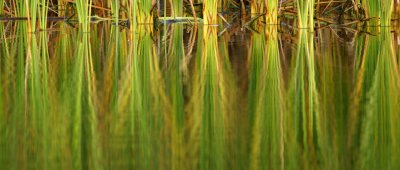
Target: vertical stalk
(305, 13)
(210, 11)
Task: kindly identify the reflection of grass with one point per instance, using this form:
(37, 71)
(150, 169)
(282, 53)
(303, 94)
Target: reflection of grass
(377, 111)
(208, 105)
(3, 113)
(174, 80)
(303, 105)
(266, 102)
(99, 100)
(148, 109)
(334, 102)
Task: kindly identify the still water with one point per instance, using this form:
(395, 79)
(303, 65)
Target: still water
(199, 97)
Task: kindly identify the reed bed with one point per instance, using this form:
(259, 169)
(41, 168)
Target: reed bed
(99, 96)
(148, 11)
(303, 106)
(266, 103)
(371, 90)
(209, 114)
(305, 12)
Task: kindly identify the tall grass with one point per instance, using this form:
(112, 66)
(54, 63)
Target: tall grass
(99, 97)
(1, 7)
(305, 13)
(380, 11)
(208, 105)
(303, 106)
(210, 11)
(148, 115)
(334, 87)
(143, 11)
(174, 85)
(272, 8)
(377, 75)
(266, 104)
(84, 13)
(3, 53)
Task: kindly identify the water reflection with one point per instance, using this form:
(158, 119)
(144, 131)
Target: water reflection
(376, 104)
(188, 97)
(266, 102)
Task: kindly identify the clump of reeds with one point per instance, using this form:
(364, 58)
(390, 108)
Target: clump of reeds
(305, 13)
(379, 11)
(266, 104)
(143, 11)
(210, 11)
(303, 105)
(209, 105)
(379, 75)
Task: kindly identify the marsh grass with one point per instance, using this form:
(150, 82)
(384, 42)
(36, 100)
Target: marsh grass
(3, 136)
(174, 79)
(143, 11)
(210, 11)
(266, 113)
(103, 98)
(303, 105)
(208, 105)
(334, 80)
(305, 13)
(382, 105)
(148, 102)
(380, 11)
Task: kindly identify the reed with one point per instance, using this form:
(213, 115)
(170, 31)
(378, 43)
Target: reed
(210, 11)
(333, 81)
(85, 136)
(233, 139)
(76, 123)
(380, 11)
(378, 126)
(208, 106)
(83, 11)
(43, 13)
(303, 106)
(38, 102)
(3, 114)
(174, 85)
(177, 8)
(305, 13)
(272, 9)
(256, 70)
(266, 113)
(257, 7)
(1, 7)
(18, 119)
(103, 97)
(143, 11)
(63, 77)
(148, 99)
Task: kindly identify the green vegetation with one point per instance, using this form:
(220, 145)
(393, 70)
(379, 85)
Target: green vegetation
(381, 11)
(266, 102)
(210, 11)
(376, 104)
(305, 12)
(144, 12)
(142, 9)
(208, 105)
(276, 91)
